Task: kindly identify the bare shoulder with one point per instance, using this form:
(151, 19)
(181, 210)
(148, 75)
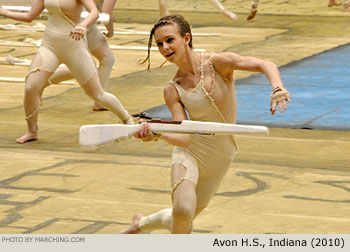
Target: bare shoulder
(170, 94)
(224, 64)
(225, 58)
(173, 102)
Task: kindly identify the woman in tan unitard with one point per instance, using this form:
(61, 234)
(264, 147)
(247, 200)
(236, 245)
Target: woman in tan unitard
(98, 47)
(204, 87)
(63, 42)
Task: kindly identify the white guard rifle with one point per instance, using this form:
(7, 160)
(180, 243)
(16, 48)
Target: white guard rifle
(94, 135)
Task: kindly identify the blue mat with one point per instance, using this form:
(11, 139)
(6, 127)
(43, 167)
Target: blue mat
(319, 87)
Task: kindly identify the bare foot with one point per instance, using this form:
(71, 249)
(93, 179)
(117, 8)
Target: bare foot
(30, 136)
(252, 14)
(230, 15)
(98, 107)
(134, 226)
(332, 3)
(346, 7)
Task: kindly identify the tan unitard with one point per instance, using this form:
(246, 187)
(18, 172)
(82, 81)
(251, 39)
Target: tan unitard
(207, 158)
(58, 47)
(93, 34)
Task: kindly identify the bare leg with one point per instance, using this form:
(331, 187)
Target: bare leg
(177, 219)
(106, 58)
(184, 201)
(159, 220)
(94, 90)
(332, 3)
(221, 8)
(253, 10)
(35, 83)
(163, 8)
(134, 226)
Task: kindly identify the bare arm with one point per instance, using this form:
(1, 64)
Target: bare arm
(163, 8)
(226, 63)
(35, 10)
(107, 7)
(93, 12)
(79, 30)
(172, 100)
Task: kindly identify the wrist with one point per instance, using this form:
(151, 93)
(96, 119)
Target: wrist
(157, 136)
(82, 25)
(276, 86)
(3, 12)
(276, 89)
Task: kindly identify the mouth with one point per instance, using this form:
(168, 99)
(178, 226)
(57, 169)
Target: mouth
(170, 54)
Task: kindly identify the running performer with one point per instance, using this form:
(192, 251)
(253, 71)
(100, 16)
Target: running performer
(253, 10)
(163, 9)
(63, 42)
(204, 87)
(98, 47)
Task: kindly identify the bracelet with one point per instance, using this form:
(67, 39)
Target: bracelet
(276, 89)
(157, 136)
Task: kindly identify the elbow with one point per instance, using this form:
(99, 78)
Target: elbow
(94, 14)
(183, 145)
(268, 65)
(28, 18)
(185, 141)
(272, 65)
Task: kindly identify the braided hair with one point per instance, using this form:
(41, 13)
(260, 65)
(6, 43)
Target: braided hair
(183, 27)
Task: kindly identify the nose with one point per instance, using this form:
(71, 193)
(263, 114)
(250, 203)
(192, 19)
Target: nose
(166, 46)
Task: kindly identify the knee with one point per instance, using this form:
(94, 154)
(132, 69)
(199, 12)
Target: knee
(183, 212)
(96, 96)
(32, 88)
(108, 60)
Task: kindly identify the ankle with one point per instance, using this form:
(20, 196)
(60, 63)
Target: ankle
(33, 129)
(254, 7)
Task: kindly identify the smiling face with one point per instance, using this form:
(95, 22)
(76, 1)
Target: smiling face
(172, 35)
(171, 44)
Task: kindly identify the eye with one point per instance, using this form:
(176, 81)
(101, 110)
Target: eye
(169, 40)
(159, 44)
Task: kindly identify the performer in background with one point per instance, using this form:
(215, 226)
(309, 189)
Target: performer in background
(204, 87)
(163, 9)
(63, 42)
(253, 10)
(98, 47)
(346, 4)
(332, 3)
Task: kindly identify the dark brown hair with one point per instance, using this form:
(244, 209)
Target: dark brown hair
(183, 27)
